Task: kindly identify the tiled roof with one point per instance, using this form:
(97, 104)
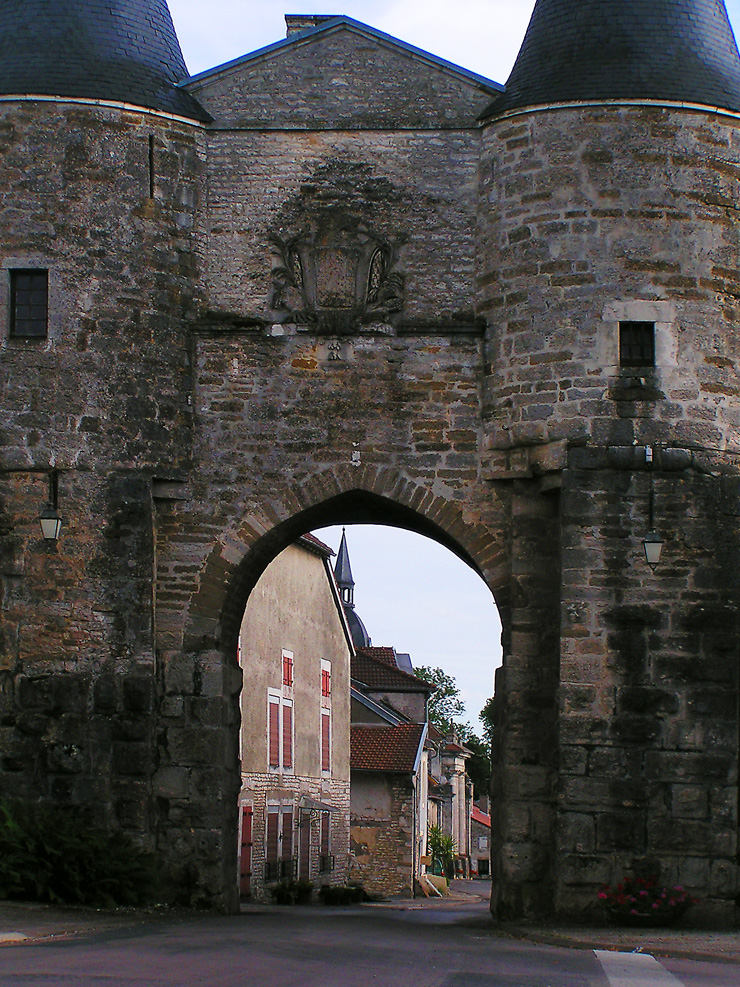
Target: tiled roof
(477, 815)
(125, 51)
(385, 748)
(388, 655)
(581, 50)
(313, 543)
(378, 673)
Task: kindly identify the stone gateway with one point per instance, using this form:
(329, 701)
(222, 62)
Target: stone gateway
(338, 280)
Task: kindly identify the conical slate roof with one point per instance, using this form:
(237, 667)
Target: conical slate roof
(342, 569)
(121, 50)
(583, 50)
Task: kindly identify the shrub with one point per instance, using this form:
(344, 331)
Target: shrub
(53, 854)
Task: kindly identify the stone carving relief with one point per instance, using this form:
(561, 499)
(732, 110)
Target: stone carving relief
(336, 279)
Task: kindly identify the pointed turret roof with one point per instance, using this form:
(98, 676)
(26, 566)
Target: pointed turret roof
(586, 50)
(120, 50)
(346, 584)
(343, 570)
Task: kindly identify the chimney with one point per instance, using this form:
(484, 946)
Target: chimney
(296, 23)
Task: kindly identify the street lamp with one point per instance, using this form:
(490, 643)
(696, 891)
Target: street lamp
(652, 543)
(51, 523)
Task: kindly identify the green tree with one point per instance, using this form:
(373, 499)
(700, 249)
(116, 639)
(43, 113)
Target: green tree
(445, 709)
(445, 705)
(486, 718)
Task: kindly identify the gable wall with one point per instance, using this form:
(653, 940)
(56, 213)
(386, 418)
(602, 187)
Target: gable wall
(325, 82)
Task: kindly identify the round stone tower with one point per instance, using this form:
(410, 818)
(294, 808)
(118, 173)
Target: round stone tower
(100, 158)
(609, 258)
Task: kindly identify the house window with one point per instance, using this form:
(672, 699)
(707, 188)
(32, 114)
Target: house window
(279, 861)
(325, 678)
(637, 344)
(326, 860)
(287, 668)
(29, 292)
(279, 731)
(325, 740)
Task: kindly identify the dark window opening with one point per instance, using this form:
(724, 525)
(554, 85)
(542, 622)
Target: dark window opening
(29, 292)
(637, 344)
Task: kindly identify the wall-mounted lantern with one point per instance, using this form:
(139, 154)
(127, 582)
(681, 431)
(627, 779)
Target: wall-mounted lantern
(652, 543)
(49, 519)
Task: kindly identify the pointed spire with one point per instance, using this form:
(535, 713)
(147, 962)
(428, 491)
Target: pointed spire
(346, 584)
(343, 573)
(125, 51)
(586, 50)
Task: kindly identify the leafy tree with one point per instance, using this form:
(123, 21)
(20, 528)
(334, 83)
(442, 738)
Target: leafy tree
(445, 708)
(486, 717)
(445, 705)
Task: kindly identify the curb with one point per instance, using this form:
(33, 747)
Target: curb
(652, 948)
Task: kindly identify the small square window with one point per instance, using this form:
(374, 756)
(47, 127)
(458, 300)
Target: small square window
(637, 344)
(29, 293)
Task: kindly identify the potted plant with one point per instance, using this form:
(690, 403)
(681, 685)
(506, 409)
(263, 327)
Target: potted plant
(441, 847)
(644, 901)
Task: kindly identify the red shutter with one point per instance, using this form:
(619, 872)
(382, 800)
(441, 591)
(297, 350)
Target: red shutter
(325, 823)
(325, 742)
(287, 834)
(325, 682)
(305, 846)
(287, 670)
(271, 847)
(274, 732)
(245, 859)
(287, 736)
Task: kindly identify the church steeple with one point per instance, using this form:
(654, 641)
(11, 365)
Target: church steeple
(119, 50)
(346, 584)
(596, 50)
(343, 573)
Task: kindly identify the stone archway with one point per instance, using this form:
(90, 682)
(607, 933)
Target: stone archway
(200, 682)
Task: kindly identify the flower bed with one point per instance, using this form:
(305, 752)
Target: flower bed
(644, 901)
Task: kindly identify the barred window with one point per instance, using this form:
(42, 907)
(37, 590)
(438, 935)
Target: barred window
(29, 292)
(637, 344)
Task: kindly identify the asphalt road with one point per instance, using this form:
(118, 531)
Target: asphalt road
(365, 947)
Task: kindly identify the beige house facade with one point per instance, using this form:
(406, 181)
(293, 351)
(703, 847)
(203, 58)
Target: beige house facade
(294, 651)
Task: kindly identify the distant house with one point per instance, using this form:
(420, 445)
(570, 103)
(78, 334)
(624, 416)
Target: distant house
(294, 649)
(480, 838)
(405, 775)
(450, 794)
(388, 808)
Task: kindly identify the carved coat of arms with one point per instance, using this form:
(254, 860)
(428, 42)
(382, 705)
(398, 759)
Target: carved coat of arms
(336, 280)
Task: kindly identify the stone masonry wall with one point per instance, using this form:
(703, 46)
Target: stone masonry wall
(382, 849)
(259, 789)
(593, 216)
(331, 82)
(77, 662)
(649, 679)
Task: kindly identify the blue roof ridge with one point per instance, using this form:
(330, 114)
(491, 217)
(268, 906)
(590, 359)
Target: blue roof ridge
(342, 20)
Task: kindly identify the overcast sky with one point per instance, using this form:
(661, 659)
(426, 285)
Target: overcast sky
(411, 594)
(482, 35)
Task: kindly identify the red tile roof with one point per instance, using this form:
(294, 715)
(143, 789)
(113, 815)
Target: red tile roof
(312, 542)
(378, 673)
(388, 655)
(385, 748)
(477, 815)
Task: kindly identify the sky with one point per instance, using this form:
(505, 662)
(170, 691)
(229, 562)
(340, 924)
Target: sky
(481, 35)
(411, 593)
(417, 597)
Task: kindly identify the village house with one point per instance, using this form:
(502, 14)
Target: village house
(405, 775)
(295, 653)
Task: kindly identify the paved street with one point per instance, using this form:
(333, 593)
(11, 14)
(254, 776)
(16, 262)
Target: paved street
(447, 945)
